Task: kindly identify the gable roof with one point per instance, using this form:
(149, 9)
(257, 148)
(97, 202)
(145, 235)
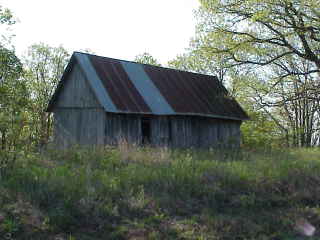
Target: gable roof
(128, 87)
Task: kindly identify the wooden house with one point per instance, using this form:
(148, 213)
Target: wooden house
(102, 101)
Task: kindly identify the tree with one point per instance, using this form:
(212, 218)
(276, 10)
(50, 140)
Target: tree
(270, 48)
(295, 98)
(146, 58)
(6, 20)
(262, 32)
(13, 93)
(196, 60)
(44, 68)
(11, 66)
(13, 99)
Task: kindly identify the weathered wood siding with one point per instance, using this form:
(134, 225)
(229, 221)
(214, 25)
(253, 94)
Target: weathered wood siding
(78, 117)
(79, 126)
(160, 131)
(174, 131)
(122, 127)
(76, 92)
(204, 132)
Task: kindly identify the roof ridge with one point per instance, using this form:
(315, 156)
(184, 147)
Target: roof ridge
(168, 68)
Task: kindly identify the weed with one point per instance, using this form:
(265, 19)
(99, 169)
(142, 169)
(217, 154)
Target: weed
(149, 193)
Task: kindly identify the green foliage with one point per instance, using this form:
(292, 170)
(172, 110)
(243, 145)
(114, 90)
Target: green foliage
(44, 66)
(261, 132)
(198, 59)
(6, 21)
(11, 66)
(265, 52)
(6, 16)
(250, 29)
(13, 100)
(157, 194)
(146, 58)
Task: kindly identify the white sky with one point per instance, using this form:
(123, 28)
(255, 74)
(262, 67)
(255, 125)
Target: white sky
(113, 28)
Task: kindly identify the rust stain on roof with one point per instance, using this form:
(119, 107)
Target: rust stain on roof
(174, 92)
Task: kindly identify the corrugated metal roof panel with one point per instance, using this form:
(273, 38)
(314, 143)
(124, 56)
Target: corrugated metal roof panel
(118, 84)
(191, 93)
(95, 82)
(128, 87)
(147, 89)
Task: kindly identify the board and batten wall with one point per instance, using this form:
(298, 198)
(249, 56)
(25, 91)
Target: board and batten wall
(80, 119)
(173, 131)
(122, 127)
(197, 132)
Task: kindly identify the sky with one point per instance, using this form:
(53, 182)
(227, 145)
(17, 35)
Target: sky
(113, 28)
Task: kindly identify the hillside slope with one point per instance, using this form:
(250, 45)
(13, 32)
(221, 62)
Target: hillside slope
(131, 193)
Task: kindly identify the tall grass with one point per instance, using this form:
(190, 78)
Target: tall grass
(129, 192)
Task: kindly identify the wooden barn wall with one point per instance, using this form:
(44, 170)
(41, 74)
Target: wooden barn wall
(76, 92)
(78, 117)
(160, 131)
(174, 131)
(186, 132)
(122, 127)
(128, 127)
(79, 126)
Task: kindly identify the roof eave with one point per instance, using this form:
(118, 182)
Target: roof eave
(184, 114)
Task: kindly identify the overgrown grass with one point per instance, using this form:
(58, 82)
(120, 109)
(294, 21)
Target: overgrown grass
(143, 193)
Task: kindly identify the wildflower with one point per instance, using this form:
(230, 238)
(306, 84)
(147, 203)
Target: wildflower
(305, 228)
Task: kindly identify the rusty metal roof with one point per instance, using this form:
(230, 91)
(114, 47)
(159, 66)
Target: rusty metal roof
(129, 87)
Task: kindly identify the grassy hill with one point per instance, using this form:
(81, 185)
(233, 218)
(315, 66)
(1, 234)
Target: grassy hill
(132, 193)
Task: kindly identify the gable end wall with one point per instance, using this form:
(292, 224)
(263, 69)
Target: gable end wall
(76, 92)
(78, 117)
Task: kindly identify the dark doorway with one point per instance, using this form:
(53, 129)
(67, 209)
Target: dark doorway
(146, 130)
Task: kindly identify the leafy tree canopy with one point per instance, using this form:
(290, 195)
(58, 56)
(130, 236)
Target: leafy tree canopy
(260, 32)
(10, 65)
(44, 66)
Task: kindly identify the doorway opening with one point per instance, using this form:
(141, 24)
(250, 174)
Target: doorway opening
(146, 130)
